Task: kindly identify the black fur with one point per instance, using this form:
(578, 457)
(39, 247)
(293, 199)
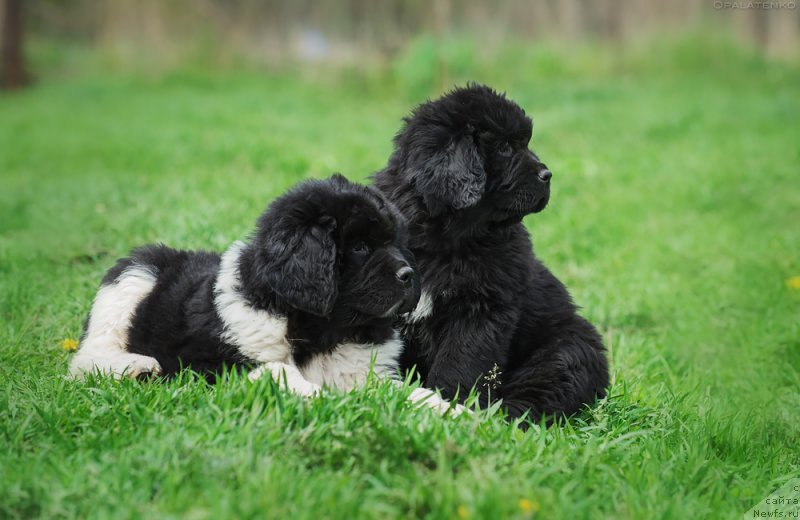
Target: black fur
(325, 255)
(463, 175)
(177, 323)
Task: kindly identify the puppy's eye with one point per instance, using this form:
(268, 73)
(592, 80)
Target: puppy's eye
(360, 248)
(505, 150)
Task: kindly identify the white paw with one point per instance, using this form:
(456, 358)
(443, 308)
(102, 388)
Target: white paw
(431, 399)
(287, 376)
(257, 373)
(116, 364)
(458, 409)
(141, 366)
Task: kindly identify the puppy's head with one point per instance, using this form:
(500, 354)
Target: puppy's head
(336, 249)
(468, 150)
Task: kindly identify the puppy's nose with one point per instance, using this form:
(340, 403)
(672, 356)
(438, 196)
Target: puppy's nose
(544, 175)
(405, 274)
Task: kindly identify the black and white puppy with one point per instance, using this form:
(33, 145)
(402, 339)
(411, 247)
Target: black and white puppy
(490, 314)
(310, 299)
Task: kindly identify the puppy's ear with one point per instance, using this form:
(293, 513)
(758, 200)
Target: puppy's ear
(452, 177)
(300, 264)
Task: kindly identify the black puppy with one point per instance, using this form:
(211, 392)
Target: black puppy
(311, 298)
(490, 314)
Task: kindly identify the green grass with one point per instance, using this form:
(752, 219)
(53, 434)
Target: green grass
(673, 220)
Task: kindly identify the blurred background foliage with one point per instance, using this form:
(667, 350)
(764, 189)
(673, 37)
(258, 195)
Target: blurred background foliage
(418, 47)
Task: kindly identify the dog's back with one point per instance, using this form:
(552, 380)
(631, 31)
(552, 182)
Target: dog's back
(157, 300)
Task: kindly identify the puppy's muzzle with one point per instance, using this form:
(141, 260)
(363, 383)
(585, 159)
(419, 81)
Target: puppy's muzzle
(409, 280)
(544, 175)
(405, 276)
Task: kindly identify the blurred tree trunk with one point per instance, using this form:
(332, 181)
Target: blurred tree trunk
(12, 68)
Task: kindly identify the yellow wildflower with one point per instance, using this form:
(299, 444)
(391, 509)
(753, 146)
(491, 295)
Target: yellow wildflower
(528, 506)
(69, 344)
(463, 512)
(793, 282)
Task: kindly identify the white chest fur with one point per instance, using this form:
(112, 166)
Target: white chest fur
(259, 335)
(349, 364)
(423, 309)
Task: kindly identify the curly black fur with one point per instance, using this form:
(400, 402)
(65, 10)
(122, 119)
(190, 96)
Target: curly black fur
(463, 176)
(329, 257)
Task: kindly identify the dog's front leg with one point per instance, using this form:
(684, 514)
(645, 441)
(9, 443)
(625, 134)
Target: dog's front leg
(286, 375)
(470, 351)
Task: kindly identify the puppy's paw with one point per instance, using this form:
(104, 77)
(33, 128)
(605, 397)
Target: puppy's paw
(287, 376)
(142, 367)
(257, 373)
(458, 409)
(454, 409)
(114, 363)
(429, 398)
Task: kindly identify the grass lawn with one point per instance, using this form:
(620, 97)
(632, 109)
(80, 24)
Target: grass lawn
(674, 220)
